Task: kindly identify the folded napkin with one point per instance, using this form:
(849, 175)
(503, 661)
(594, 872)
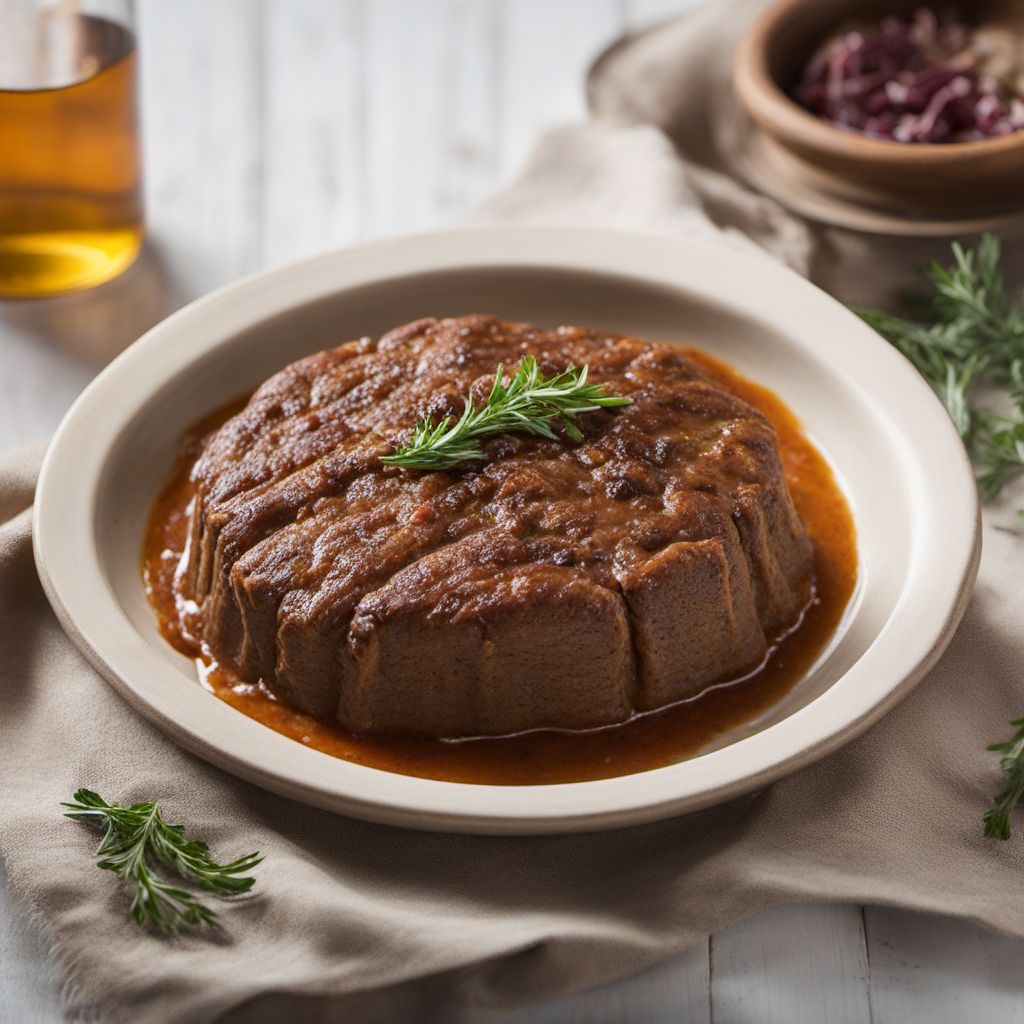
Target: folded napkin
(368, 922)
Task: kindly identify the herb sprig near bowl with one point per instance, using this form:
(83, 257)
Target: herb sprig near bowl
(528, 404)
(136, 839)
(974, 342)
(975, 339)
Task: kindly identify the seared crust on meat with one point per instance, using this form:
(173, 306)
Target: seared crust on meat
(556, 585)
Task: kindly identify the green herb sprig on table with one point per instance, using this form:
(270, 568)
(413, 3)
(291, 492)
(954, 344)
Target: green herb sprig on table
(136, 839)
(976, 338)
(528, 404)
(997, 817)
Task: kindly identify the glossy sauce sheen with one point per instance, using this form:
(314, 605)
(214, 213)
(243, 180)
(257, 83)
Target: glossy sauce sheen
(646, 742)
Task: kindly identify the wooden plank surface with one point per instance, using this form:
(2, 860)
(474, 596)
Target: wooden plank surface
(280, 128)
(926, 968)
(795, 964)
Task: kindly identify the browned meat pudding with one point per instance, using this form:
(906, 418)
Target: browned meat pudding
(555, 585)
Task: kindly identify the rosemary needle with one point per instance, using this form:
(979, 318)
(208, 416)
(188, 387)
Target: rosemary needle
(529, 404)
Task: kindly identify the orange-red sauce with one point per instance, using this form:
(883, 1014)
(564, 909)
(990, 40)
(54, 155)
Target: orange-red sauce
(650, 741)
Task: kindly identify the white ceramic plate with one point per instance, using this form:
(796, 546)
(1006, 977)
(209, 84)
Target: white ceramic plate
(889, 440)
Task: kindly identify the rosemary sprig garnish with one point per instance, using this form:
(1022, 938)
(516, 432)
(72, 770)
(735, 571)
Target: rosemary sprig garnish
(528, 404)
(135, 839)
(997, 817)
(976, 338)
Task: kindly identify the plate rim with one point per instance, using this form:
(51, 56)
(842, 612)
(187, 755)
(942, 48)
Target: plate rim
(59, 545)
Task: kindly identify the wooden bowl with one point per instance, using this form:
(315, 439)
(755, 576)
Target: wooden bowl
(922, 179)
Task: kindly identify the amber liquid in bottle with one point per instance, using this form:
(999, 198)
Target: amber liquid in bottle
(70, 181)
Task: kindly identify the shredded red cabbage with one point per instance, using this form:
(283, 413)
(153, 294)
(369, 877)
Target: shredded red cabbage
(912, 79)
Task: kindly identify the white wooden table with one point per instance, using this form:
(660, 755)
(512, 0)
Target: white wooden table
(277, 128)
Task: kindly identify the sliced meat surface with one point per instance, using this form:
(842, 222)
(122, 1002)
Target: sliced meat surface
(555, 585)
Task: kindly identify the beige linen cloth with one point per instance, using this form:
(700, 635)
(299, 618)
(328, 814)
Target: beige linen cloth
(357, 922)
